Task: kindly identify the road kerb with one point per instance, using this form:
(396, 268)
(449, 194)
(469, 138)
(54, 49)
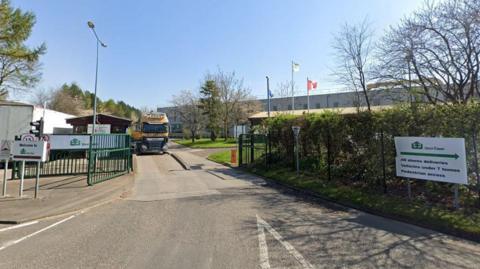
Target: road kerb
(180, 160)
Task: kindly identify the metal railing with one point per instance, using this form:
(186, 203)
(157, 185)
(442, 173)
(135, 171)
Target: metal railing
(60, 162)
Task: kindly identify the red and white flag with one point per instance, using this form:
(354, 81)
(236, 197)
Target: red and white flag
(311, 85)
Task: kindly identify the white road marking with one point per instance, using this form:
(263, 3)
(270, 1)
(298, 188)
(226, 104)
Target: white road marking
(264, 225)
(11, 243)
(262, 246)
(19, 226)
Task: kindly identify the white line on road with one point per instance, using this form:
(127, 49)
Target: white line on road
(288, 246)
(19, 226)
(11, 243)
(262, 246)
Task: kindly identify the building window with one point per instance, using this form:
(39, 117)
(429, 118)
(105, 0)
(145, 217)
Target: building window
(289, 107)
(275, 108)
(305, 106)
(317, 105)
(335, 104)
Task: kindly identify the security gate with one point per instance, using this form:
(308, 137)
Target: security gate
(109, 156)
(252, 148)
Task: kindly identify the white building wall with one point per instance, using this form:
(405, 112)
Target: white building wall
(52, 119)
(14, 120)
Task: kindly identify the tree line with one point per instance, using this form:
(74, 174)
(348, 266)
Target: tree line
(71, 99)
(221, 102)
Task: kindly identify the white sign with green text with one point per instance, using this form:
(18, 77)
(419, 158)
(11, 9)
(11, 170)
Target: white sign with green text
(29, 151)
(431, 158)
(69, 141)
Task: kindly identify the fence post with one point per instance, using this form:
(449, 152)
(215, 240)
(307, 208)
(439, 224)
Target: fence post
(252, 148)
(240, 149)
(384, 182)
(265, 151)
(328, 156)
(90, 162)
(4, 188)
(475, 156)
(269, 149)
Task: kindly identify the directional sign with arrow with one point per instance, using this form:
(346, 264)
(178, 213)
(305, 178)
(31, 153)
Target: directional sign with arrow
(452, 156)
(431, 158)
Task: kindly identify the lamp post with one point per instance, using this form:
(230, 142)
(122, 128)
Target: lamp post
(268, 94)
(99, 42)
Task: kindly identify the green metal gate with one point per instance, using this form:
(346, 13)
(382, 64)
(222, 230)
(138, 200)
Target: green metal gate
(109, 156)
(252, 148)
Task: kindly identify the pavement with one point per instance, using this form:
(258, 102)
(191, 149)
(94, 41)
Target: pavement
(57, 195)
(212, 216)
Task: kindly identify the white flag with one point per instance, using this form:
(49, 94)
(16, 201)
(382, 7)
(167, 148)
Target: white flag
(295, 67)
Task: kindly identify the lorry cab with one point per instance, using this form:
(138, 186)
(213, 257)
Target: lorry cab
(150, 135)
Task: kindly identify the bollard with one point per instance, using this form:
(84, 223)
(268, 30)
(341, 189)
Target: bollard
(233, 156)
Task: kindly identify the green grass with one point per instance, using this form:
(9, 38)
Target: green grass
(431, 216)
(222, 157)
(204, 143)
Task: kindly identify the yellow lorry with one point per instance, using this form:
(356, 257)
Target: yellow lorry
(150, 135)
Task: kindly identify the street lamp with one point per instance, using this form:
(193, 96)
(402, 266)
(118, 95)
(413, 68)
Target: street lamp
(99, 42)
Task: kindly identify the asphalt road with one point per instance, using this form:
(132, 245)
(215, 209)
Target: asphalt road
(212, 217)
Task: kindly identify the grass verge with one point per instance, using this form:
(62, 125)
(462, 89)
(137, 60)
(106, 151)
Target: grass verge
(204, 143)
(222, 157)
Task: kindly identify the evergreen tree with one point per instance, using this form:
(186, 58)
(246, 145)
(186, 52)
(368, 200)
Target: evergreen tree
(19, 64)
(210, 101)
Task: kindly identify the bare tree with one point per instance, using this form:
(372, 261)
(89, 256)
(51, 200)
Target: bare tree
(353, 52)
(42, 97)
(248, 107)
(64, 102)
(283, 89)
(232, 93)
(146, 109)
(440, 47)
(189, 110)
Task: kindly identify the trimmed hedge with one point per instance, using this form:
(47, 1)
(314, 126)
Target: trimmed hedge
(352, 145)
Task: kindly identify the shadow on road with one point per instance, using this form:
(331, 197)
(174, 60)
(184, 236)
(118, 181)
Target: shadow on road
(331, 235)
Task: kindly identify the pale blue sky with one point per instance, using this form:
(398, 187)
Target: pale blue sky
(157, 48)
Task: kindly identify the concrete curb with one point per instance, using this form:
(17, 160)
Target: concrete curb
(180, 160)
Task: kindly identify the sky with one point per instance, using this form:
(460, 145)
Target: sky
(157, 48)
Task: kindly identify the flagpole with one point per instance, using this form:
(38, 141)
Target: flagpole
(268, 94)
(308, 97)
(293, 95)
